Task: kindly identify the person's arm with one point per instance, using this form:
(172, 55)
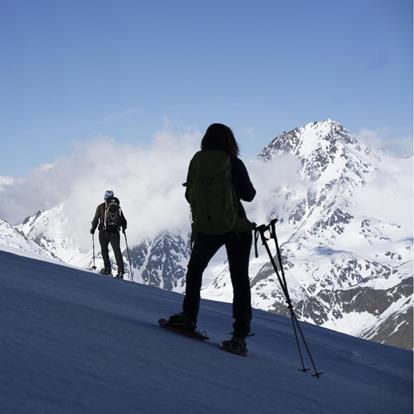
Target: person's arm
(95, 220)
(241, 181)
(187, 185)
(123, 221)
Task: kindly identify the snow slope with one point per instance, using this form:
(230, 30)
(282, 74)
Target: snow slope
(76, 342)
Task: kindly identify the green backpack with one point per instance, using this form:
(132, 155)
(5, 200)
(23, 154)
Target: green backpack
(210, 192)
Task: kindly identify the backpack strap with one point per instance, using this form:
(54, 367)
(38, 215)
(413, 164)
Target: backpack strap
(105, 215)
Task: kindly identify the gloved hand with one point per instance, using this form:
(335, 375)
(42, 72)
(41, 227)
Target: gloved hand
(92, 231)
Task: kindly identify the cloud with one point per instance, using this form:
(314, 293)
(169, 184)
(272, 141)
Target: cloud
(388, 141)
(277, 183)
(6, 181)
(388, 194)
(147, 179)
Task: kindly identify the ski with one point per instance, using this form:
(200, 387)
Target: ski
(201, 336)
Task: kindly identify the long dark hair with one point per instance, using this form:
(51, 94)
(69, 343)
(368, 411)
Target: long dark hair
(220, 137)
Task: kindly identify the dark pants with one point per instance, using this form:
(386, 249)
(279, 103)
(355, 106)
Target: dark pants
(238, 252)
(106, 237)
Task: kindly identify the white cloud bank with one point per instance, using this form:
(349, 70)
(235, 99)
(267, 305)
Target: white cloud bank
(6, 181)
(148, 181)
(385, 139)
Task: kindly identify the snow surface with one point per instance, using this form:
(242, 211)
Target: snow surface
(76, 342)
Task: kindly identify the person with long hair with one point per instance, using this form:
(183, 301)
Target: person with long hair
(217, 180)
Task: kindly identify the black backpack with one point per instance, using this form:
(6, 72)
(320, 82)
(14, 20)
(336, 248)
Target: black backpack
(212, 198)
(112, 215)
(210, 193)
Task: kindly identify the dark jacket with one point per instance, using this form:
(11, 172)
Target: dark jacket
(241, 183)
(98, 220)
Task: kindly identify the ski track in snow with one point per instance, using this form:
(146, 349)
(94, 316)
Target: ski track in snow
(77, 342)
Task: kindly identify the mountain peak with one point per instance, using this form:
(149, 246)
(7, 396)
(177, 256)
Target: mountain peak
(313, 137)
(324, 149)
(325, 124)
(30, 219)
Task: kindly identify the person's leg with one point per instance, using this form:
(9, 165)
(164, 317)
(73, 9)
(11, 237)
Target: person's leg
(204, 248)
(238, 251)
(104, 241)
(115, 243)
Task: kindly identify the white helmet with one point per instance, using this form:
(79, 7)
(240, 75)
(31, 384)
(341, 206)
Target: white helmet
(108, 194)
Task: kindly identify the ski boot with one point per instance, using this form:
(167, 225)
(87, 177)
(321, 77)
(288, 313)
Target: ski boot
(235, 345)
(181, 322)
(120, 275)
(105, 271)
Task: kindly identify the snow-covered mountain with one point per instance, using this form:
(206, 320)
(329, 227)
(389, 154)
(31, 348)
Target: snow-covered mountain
(75, 342)
(349, 263)
(161, 262)
(48, 229)
(345, 234)
(12, 240)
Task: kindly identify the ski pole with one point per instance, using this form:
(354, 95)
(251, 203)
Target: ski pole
(279, 256)
(129, 259)
(271, 228)
(261, 230)
(93, 251)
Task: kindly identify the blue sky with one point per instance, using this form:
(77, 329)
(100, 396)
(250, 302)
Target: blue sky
(71, 71)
